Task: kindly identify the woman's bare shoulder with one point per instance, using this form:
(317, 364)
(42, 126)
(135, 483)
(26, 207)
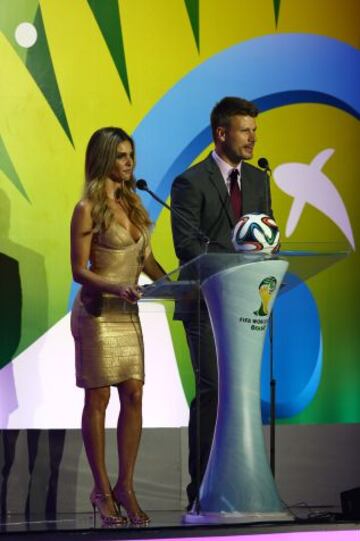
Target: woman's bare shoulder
(84, 206)
(82, 212)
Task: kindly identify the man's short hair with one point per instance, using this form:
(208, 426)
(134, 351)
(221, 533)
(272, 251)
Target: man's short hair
(229, 107)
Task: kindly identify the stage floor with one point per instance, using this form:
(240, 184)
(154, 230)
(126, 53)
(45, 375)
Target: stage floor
(318, 525)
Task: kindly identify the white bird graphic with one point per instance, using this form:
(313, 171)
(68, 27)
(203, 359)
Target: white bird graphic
(308, 184)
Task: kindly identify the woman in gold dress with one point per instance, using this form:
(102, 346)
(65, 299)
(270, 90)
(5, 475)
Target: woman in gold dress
(110, 230)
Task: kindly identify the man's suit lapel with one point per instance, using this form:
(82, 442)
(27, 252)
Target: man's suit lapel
(250, 188)
(246, 187)
(217, 180)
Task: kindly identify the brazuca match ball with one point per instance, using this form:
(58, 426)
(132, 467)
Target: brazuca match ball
(256, 233)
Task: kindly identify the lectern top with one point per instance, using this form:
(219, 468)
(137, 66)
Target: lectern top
(305, 261)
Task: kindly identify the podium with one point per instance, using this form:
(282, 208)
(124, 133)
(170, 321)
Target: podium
(239, 291)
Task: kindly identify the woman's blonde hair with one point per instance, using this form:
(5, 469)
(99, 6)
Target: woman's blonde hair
(99, 162)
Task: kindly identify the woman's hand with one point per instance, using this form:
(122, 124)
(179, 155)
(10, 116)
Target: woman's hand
(130, 294)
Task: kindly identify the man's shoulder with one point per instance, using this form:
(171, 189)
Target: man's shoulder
(251, 170)
(196, 172)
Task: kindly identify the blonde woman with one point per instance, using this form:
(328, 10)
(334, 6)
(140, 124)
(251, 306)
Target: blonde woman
(109, 249)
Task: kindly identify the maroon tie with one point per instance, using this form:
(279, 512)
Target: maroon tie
(235, 194)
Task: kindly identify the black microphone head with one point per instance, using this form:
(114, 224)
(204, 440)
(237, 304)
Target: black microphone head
(141, 184)
(263, 163)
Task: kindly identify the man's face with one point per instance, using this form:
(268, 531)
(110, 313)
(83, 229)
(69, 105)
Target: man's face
(237, 140)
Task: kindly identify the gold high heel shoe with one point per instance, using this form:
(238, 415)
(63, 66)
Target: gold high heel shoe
(127, 499)
(97, 500)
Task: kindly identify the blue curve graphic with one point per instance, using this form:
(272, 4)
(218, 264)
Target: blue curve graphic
(273, 71)
(297, 351)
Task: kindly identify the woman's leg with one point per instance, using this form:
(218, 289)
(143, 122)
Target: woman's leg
(93, 431)
(128, 439)
(129, 431)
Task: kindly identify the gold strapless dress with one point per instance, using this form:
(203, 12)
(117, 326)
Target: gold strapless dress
(108, 339)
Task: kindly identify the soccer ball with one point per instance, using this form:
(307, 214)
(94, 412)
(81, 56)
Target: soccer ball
(256, 233)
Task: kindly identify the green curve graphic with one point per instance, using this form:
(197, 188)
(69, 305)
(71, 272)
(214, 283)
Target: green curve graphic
(40, 65)
(192, 7)
(276, 10)
(6, 165)
(108, 19)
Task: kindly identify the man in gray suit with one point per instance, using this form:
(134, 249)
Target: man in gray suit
(212, 196)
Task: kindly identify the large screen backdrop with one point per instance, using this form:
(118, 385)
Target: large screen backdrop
(156, 69)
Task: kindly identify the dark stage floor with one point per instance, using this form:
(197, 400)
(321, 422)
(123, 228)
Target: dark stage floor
(168, 524)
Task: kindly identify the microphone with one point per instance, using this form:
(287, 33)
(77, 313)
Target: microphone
(264, 164)
(141, 184)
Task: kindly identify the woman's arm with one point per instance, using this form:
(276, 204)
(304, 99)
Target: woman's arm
(152, 268)
(81, 237)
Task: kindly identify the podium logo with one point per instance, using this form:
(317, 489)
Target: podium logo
(266, 290)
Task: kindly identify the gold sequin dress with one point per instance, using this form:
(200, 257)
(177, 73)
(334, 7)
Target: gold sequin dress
(106, 329)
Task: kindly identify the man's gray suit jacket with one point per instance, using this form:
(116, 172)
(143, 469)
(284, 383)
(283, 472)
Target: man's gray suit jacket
(199, 195)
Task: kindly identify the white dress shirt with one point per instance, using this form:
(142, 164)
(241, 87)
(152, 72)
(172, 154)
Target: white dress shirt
(225, 170)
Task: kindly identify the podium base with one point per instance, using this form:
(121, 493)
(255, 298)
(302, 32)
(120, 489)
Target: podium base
(236, 517)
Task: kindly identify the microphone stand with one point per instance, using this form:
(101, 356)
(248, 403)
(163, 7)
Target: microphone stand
(264, 164)
(142, 185)
(272, 396)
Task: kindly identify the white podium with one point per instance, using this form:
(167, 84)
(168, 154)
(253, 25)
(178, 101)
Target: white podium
(239, 291)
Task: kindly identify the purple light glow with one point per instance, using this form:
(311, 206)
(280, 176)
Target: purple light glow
(337, 535)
